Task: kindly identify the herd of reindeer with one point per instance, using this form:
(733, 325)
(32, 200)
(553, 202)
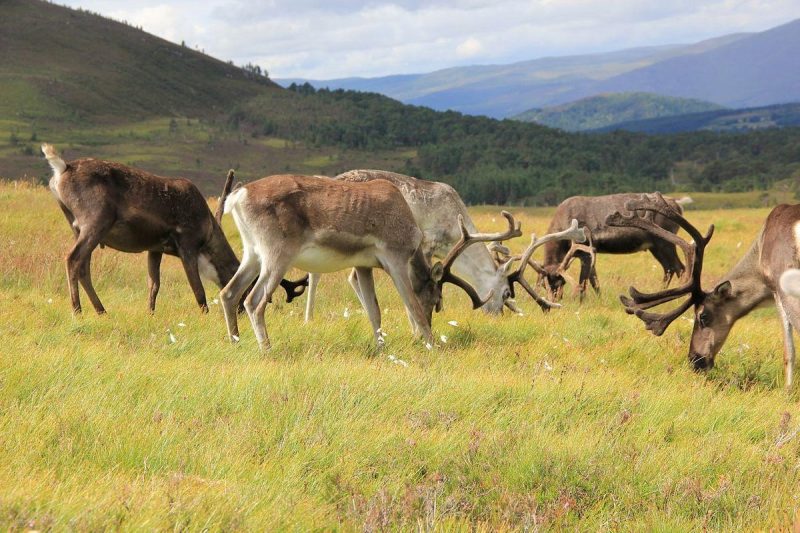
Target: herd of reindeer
(366, 219)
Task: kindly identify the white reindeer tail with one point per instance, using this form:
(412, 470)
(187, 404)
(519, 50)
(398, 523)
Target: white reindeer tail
(234, 198)
(790, 282)
(56, 163)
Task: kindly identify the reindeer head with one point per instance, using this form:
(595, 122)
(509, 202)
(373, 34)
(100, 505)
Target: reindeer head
(441, 273)
(711, 325)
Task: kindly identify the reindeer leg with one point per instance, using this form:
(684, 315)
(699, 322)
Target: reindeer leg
(354, 282)
(789, 310)
(398, 271)
(594, 281)
(78, 263)
(231, 294)
(153, 277)
(585, 275)
(313, 280)
(366, 292)
(256, 302)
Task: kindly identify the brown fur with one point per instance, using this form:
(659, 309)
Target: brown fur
(591, 212)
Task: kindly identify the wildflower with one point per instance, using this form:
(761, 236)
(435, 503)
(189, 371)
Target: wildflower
(181, 325)
(172, 339)
(548, 366)
(49, 300)
(346, 313)
(397, 361)
(453, 323)
(214, 301)
(428, 346)
(443, 338)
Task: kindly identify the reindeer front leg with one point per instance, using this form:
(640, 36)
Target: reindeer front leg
(789, 311)
(153, 277)
(232, 293)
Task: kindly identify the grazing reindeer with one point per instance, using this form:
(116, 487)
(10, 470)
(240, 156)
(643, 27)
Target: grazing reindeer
(591, 211)
(322, 225)
(124, 208)
(763, 273)
(436, 207)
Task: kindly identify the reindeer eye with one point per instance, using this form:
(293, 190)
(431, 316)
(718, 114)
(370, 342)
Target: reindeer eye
(506, 294)
(705, 318)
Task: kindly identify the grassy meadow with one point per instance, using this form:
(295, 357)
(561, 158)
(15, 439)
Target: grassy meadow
(578, 419)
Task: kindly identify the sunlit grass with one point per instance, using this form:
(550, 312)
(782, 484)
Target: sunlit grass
(574, 419)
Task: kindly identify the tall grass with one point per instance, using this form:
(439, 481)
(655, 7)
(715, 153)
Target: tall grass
(574, 419)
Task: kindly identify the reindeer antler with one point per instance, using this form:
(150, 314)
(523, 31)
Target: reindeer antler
(467, 240)
(573, 233)
(637, 304)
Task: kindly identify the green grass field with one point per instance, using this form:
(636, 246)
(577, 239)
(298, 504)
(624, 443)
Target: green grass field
(578, 419)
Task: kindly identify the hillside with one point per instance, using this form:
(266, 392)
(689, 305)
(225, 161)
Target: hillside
(247, 123)
(62, 64)
(505, 90)
(757, 70)
(728, 120)
(604, 110)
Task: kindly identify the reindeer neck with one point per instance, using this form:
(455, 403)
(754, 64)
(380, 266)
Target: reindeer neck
(749, 286)
(221, 255)
(554, 252)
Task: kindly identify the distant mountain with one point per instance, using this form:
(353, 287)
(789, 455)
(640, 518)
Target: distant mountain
(756, 70)
(720, 120)
(505, 90)
(607, 109)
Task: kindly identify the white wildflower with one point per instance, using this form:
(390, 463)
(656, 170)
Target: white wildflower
(49, 300)
(548, 366)
(453, 323)
(346, 313)
(172, 339)
(429, 346)
(181, 325)
(214, 301)
(443, 338)
(397, 361)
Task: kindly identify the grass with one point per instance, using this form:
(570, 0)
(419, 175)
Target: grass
(578, 419)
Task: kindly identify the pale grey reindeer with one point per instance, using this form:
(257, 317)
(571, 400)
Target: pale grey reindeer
(762, 276)
(436, 207)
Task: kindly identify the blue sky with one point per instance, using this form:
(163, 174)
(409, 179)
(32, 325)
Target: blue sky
(329, 39)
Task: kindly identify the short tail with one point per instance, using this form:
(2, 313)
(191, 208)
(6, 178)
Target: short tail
(56, 163)
(226, 190)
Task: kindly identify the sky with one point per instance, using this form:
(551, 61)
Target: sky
(319, 39)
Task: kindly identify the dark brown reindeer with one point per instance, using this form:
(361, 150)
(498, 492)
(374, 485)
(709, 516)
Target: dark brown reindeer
(754, 281)
(591, 212)
(127, 209)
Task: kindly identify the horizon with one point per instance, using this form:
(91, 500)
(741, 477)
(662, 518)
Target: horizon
(441, 34)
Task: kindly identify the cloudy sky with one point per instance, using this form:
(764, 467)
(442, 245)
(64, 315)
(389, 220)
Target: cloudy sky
(324, 39)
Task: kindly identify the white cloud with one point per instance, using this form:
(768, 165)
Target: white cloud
(324, 39)
(469, 48)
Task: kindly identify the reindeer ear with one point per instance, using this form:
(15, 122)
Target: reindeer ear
(723, 290)
(437, 272)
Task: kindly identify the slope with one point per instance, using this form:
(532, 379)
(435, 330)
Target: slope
(758, 70)
(606, 109)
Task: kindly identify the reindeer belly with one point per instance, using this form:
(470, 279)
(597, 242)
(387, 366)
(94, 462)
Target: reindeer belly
(321, 259)
(126, 238)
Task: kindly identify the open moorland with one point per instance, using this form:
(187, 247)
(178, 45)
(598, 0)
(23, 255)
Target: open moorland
(574, 419)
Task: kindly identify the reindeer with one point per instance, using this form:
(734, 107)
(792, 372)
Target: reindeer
(436, 207)
(323, 225)
(763, 272)
(591, 211)
(127, 209)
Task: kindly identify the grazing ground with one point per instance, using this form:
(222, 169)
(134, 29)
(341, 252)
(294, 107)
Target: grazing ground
(575, 419)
